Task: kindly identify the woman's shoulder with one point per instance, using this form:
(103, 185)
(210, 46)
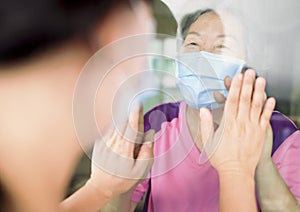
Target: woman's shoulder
(283, 127)
(159, 114)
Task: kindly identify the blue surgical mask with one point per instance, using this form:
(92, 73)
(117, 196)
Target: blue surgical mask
(200, 74)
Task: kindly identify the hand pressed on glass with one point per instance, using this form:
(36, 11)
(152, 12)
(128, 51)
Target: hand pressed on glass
(237, 144)
(115, 169)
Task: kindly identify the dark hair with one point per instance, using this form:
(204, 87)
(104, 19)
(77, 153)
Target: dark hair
(28, 26)
(189, 19)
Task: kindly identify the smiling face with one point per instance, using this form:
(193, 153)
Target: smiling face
(216, 33)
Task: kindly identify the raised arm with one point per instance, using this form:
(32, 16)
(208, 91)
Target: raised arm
(114, 167)
(272, 188)
(235, 148)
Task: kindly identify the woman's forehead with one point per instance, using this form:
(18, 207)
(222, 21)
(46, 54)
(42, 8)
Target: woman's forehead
(205, 22)
(218, 23)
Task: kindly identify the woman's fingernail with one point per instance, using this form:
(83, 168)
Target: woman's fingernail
(250, 73)
(272, 102)
(239, 76)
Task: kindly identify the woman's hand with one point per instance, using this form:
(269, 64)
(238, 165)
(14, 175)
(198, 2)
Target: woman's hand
(267, 148)
(115, 167)
(235, 148)
(119, 161)
(237, 144)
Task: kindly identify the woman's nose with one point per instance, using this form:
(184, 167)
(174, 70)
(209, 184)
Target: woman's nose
(207, 47)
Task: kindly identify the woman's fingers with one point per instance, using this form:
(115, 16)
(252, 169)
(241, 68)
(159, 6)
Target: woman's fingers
(117, 155)
(246, 94)
(110, 138)
(123, 143)
(232, 102)
(140, 130)
(146, 151)
(145, 156)
(257, 99)
(116, 132)
(267, 112)
(227, 82)
(220, 98)
(140, 145)
(135, 129)
(147, 139)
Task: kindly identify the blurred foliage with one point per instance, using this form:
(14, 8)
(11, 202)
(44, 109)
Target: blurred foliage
(165, 21)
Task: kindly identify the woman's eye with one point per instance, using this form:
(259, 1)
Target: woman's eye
(222, 46)
(193, 44)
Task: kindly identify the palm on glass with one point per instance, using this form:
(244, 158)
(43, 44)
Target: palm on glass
(116, 166)
(237, 144)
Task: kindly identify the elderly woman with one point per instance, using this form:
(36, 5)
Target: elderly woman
(181, 178)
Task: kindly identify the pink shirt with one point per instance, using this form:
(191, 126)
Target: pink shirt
(179, 182)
